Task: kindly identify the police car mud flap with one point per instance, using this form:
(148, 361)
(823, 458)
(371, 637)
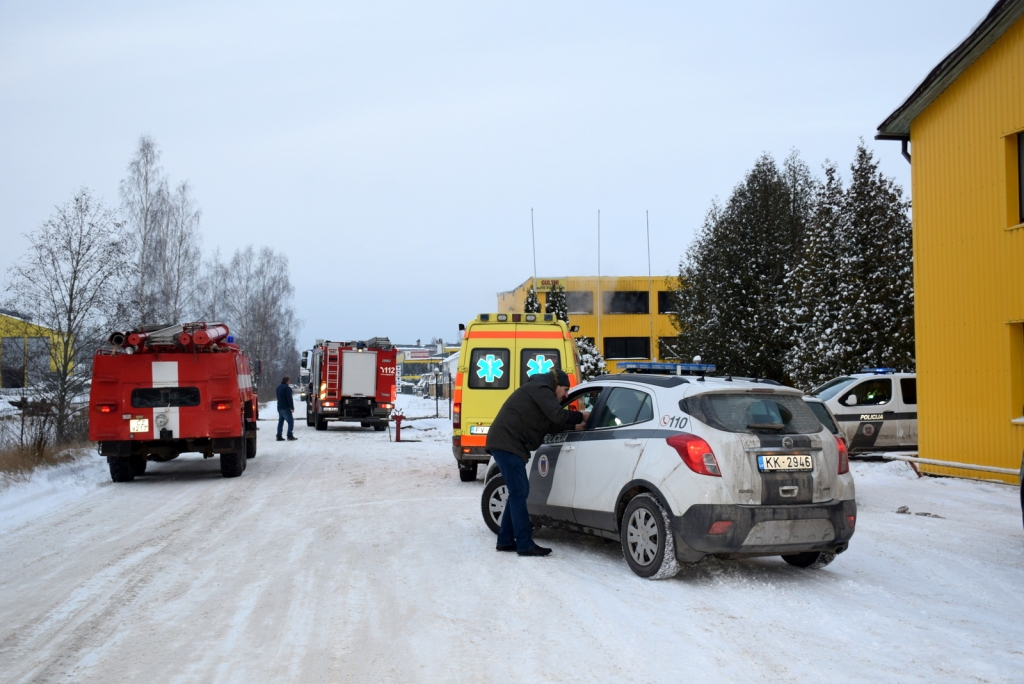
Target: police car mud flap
(543, 469)
(766, 530)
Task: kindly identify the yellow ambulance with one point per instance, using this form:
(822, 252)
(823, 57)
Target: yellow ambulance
(499, 353)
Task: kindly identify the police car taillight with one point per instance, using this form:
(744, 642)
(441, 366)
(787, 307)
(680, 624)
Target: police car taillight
(844, 457)
(696, 454)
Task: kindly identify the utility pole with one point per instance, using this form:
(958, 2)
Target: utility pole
(533, 237)
(599, 299)
(650, 287)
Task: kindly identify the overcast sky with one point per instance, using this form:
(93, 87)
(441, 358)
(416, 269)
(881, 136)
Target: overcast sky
(393, 150)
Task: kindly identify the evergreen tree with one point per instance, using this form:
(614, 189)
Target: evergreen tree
(557, 303)
(532, 303)
(875, 283)
(591, 361)
(815, 311)
(731, 290)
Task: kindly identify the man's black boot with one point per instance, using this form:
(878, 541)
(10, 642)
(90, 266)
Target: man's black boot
(292, 438)
(506, 547)
(535, 551)
(280, 438)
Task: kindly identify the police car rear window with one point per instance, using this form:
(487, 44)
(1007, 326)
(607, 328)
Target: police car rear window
(489, 369)
(822, 414)
(160, 397)
(753, 413)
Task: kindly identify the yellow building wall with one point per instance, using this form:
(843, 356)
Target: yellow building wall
(612, 325)
(969, 264)
(16, 327)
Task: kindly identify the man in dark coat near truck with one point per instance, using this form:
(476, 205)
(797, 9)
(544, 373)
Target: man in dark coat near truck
(285, 408)
(531, 412)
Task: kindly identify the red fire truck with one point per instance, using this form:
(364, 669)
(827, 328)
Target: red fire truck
(350, 381)
(158, 392)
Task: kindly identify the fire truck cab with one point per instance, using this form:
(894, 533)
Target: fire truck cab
(158, 392)
(350, 381)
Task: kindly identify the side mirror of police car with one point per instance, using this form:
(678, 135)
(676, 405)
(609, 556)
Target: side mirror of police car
(850, 400)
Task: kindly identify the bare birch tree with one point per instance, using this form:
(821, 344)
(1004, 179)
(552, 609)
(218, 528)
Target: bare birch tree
(144, 199)
(179, 257)
(73, 280)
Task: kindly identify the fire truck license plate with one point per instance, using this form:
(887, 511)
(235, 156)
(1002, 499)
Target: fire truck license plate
(139, 425)
(769, 464)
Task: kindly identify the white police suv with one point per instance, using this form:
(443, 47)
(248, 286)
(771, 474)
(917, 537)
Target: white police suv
(876, 409)
(680, 467)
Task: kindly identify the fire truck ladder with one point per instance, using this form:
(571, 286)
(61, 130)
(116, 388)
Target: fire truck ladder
(333, 368)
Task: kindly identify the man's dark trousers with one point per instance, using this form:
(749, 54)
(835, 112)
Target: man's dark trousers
(515, 521)
(282, 416)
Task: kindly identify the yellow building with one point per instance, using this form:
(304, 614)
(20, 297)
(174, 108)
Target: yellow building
(964, 126)
(632, 324)
(24, 350)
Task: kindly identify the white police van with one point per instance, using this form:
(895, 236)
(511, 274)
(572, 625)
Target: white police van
(680, 467)
(876, 409)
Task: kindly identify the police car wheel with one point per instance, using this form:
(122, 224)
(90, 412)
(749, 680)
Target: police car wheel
(647, 541)
(492, 502)
(138, 464)
(467, 472)
(810, 559)
(120, 469)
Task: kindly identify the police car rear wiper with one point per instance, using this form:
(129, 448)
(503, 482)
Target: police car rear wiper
(765, 426)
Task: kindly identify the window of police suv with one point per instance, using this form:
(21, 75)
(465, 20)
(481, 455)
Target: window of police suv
(625, 407)
(753, 413)
(831, 388)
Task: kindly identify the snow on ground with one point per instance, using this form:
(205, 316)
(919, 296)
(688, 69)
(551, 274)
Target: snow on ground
(346, 557)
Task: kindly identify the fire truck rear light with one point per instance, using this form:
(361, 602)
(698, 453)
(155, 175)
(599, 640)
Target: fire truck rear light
(221, 405)
(720, 527)
(329, 403)
(386, 406)
(106, 408)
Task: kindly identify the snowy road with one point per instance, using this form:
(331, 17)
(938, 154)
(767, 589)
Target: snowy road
(343, 557)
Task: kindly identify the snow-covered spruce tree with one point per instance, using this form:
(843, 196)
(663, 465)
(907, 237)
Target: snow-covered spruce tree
(731, 289)
(591, 361)
(557, 304)
(532, 303)
(875, 280)
(812, 281)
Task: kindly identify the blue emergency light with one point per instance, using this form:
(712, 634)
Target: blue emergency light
(661, 368)
(878, 371)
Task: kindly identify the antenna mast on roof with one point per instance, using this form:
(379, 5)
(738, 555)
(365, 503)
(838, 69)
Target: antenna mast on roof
(650, 285)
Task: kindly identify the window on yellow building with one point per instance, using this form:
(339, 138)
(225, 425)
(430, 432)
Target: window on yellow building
(627, 348)
(580, 302)
(626, 302)
(666, 302)
(668, 349)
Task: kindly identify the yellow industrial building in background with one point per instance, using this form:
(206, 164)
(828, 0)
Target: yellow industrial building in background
(631, 324)
(963, 127)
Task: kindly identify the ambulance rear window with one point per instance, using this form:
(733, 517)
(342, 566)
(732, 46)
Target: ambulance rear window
(160, 397)
(489, 369)
(537, 361)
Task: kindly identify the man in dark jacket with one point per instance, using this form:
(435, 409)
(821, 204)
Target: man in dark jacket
(531, 412)
(285, 407)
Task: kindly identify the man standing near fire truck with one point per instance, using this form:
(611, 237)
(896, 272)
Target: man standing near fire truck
(285, 408)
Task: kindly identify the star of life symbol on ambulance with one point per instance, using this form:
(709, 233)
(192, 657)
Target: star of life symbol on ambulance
(542, 465)
(538, 365)
(489, 368)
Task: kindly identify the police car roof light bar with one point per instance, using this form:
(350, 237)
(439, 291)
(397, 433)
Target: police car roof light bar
(879, 371)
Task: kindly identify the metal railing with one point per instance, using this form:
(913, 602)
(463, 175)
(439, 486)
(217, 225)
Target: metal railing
(908, 457)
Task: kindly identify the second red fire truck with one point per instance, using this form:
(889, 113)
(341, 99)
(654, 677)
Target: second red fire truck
(350, 381)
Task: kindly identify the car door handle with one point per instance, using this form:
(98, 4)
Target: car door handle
(568, 447)
(633, 442)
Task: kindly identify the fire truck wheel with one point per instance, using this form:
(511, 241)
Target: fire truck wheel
(380, 427)
(232, 465)
(138, 464)
(467, 472)
(309, 420)
(250, 447)
(120, 469)
(319, 423)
